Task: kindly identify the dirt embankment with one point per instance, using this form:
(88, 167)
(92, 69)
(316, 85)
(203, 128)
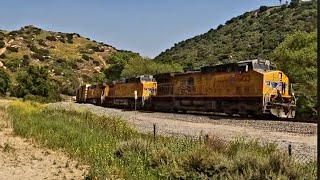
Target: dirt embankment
(22, 158)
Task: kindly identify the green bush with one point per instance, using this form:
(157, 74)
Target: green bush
(51, 38)
(3, 56)
(34, 81)
(5, 81)
(263, 8)
(38, 56)
(2, 44)
(12, 49)
(85, 57)
(40, 51)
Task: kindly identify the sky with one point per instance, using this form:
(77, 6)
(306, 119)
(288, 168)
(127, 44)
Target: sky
(147, 27)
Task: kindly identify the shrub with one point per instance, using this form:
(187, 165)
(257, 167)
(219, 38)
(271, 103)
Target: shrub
(51, 38)
(13, 33)
(38, 56)
(62, 40)
(3, 56)
(283, 7)
(232, 20)
(96, 62)
(25, 60)
(294, 3)
(4, 81)
(219, 27)
(13, 49)
(85, 57)
(263, 8)
(40, 51)
(69, 36)
(61, 61)
(32, 81)
(2, 44)
(138, 146)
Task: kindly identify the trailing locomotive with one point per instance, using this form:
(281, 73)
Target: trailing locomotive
(252, 87)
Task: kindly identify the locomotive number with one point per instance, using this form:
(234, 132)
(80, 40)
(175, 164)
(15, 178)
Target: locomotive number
(240, 77)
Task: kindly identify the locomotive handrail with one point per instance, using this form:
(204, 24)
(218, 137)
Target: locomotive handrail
(267, 95)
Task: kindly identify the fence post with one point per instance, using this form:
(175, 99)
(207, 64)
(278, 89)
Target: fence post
(289, 150)
(206, 138)
(154, 132)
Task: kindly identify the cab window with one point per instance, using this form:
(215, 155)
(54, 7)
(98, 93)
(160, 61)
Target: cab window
(263, 66)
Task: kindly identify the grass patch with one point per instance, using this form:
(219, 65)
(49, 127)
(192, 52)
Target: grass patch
(116, 151)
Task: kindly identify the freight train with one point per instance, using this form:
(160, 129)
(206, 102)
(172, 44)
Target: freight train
(251, 87)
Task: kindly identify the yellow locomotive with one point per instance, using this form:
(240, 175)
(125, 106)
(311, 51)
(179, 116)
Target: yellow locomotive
(122, 94)
(252, 87)
(247, 87)
(96, 94)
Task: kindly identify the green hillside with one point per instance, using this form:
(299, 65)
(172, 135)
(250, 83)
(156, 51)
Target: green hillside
(68, 59)
(41, 65)
(253, 34)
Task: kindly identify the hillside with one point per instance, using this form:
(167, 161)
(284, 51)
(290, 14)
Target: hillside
(69, 58)
(253, 34)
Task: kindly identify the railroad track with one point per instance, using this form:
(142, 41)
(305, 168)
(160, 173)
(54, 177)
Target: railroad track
(145, 118)
(234, 117)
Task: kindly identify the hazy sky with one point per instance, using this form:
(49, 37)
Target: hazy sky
(144, 26)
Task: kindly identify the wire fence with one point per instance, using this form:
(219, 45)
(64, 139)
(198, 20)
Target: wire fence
(299, 152)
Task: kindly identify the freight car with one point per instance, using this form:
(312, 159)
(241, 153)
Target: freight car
(252, 87)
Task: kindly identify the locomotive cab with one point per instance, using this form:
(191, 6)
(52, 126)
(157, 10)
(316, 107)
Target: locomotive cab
(257, 65)
(277, 94)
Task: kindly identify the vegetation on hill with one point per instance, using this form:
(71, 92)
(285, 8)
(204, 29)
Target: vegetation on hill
(124, 64)
(116, 151)
(66, 60)
(60, 62)
(4, 81)
(297, 57)
(258, 34)
(251, 35)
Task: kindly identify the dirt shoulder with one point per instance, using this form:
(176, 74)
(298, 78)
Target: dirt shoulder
(22, 158)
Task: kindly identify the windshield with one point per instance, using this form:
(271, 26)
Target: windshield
(260, 65)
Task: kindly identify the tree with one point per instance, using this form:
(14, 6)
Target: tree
(4, 81)
(263, 8)
(294, 3)
(33, 81)
(139, 66)
(297, 57)
(98, 78)
(117, 62)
